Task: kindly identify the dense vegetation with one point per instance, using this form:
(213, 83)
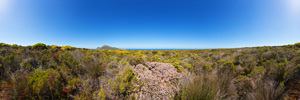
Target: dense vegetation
(64, 72)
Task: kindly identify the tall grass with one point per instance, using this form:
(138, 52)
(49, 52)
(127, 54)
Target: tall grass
(208, 86)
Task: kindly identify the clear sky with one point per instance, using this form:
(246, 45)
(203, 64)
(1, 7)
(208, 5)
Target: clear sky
(150, 23)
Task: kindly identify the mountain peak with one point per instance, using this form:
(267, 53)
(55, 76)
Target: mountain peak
(107, 47)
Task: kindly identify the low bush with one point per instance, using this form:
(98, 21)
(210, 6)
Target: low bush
(94, 66)
(68, 60)
(269, 55)
(39, 46)
(124, 82)
(46, 85)
(297, 44)
(67, 47)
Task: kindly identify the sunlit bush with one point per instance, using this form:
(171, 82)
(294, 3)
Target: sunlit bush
(55, 47)
(123, 84)
(46, 85)
(39, 46)
(67, 47)
(4, 45)
(297, 44)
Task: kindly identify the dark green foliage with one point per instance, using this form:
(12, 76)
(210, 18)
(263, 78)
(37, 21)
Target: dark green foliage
(154, 52)
(9, 59)
(9, 63)
(39, 46)
(2, 70)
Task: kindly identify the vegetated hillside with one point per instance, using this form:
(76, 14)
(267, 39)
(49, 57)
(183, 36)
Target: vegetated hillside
(64, 72)
(106, 47)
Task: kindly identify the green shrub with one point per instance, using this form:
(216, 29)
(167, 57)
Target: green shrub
(240, 59)
(4, 45)
(269, 55)
(136, 60)
(188, 66)
(46, 85)
(67, 47)
(101, 94)
(14, 46)
(177, 65)
(207, 68)
(297, 44)
(74, 83)
(124, 82)
(94, 66)
(155, 58)
(296, 61)
(39, 46)
(28, 66)
(214, 65)
(9, 59)
(289, 46)
(68, 60)
(175, 62)
(229, 65)
(125, 63)
(2, 71)
(154, 52)
(9, 62)
(1, 44)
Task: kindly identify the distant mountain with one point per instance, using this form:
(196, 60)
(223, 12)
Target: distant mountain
(106, 47)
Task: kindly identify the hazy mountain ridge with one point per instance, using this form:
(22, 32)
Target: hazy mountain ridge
(106, 47)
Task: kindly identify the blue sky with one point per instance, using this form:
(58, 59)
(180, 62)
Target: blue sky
(150, 23)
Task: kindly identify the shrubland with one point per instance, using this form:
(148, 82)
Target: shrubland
(45, 71)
